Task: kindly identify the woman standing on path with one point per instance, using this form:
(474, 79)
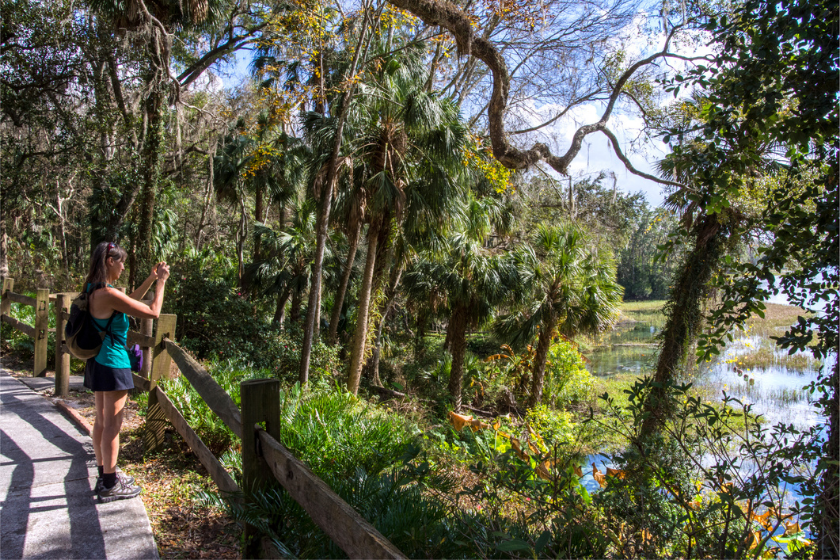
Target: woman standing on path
(108, 375)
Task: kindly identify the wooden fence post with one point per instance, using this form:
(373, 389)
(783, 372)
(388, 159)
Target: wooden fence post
(5, 302)
(260, 400)
(146, 329)
(62, 359)
(42, 326)
(155, 418)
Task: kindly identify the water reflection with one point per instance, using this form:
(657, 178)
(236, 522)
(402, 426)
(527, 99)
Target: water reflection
(774, 391)
(629, 348)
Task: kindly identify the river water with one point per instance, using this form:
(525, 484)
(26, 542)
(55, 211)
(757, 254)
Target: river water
(774, 390)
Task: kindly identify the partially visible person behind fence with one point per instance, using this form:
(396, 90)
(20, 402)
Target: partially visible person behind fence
(109, 375)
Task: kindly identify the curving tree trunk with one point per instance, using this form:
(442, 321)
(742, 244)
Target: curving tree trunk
(684, 317)
(345, 281)
(359, 339)
(458, 340)
(447, 339)
(540, 358)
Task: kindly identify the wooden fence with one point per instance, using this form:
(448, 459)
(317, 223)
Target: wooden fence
(256, 423)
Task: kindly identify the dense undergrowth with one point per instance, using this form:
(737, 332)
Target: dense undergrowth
(438, 492)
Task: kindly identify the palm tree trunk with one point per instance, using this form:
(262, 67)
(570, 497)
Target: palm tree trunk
(420, 338)
(392, 290)
(258, 217)
(540, 357)
(345, 281)
(279, 312)
(132, 255)
(360, 337)
(4, 247)
(297, 297)
(458, 339)
(240, 244)
(314, 310)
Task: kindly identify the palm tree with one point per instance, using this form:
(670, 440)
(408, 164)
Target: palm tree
(576, 290)
(472, 278)
(349, 213)
(285, 267)
(409, 143)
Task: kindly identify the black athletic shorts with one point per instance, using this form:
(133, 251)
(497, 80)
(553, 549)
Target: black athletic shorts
(104, 378)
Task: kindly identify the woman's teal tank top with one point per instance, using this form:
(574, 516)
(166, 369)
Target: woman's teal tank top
(113, 352)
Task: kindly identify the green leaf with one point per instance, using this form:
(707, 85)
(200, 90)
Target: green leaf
(542, 541)
(513, 545)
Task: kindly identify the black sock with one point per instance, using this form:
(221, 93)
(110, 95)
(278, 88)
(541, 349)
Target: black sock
(109, 480)
(101, 470)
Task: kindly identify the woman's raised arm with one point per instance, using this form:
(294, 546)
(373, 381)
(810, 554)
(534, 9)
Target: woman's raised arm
(131, 306)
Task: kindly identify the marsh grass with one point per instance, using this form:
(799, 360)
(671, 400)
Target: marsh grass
(768, 356)
(649, 312)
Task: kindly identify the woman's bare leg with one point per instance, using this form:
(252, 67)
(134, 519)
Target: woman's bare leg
(112, 408)
(97, 428)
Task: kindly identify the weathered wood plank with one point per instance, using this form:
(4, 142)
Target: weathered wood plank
(260, 400)
(20, 298)
(217, 472)
(161, 360)
(5, 302)
(19, 325)
(62, 359)
(215, 397)
(142, 340)
(42, 326)
(155, 419)
(147, 328)
(141, 383)
(349, 530)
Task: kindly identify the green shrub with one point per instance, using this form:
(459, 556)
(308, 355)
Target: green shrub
(217, 322)
(567, 380)
(210, 428)
(335, 433)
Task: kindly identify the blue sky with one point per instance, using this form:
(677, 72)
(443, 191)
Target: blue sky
(595, 156)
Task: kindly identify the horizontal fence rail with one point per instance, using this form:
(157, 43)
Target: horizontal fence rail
(343, 524)
(265, 459)
(216, 398)
(19, 325)
(22, 299)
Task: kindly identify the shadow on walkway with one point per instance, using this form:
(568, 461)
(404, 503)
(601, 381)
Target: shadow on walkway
(47, 475)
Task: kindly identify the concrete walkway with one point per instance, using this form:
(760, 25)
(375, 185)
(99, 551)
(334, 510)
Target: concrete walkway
(47, 475)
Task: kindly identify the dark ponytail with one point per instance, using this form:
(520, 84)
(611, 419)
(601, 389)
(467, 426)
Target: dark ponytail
(98, 272)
